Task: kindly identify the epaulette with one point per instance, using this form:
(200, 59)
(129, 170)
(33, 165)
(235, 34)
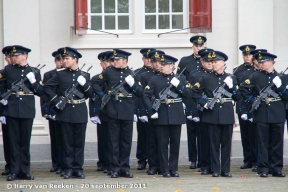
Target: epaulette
(237, 66)
(61, 69)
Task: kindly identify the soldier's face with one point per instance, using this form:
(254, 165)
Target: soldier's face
(256, 64)
(167, 69)
(247, 58)
(58, 63)
(218, 66)
(156, 65)
(69, 62)
(62, 62)
(146, 61)
(207, 65)
(120, 63)
(8, 59)
(197, 48)
(266, 66)
(19, 59)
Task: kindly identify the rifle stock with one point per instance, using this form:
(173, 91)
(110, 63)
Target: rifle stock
(264, 94)
(165, 93)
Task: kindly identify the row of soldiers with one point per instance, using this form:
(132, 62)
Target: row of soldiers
(160, 99)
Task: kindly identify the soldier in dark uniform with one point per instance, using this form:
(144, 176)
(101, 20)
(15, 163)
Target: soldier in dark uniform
(270, 117)
(192, 62)
(220, 118)
(6, 51)
(141, 151)
(246, 127)
(120, 112)
(244, 108)
(20, 111)
(54, 126)
(152, 144)
(73, 118)
(169, 117)
(100, 118)
(195, 117)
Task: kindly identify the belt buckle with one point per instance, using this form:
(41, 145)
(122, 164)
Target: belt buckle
(217, 100)
(121, 95)
(269, 99)
(21, 92)
(169, 101)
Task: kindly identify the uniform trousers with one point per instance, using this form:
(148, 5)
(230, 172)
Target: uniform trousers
(141, 151)
(19, 131)
(204, 149)
(220, 139)
(120, 133)
(270, 146)
(103, 145)
(73, 138)
(193, 133)
(54, 131)
(152, 144)
(168, 135)
(248, 139)
(6, 148)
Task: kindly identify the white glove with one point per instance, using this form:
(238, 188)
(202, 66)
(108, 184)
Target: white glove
(251, 119)
(206, 106)
(81, 80)
(154, 116)
(175, 82)
(130, 80)
(3, 120)
(190, 118)
(184, 106)
(4, 101)
(244, 117)
(196, 119)
(143, 119)
(95, 120)
(52, 117)
(31, 77)
(135, 118)
(229, 82)
(277, 81)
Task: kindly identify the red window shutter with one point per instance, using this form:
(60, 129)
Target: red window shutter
(200, 15)
(81, 17)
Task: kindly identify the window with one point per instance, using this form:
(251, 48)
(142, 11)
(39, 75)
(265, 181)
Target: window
(164, 15)
(109, 15)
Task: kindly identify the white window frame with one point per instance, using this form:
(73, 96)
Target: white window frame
(185, 18)
(116, 14)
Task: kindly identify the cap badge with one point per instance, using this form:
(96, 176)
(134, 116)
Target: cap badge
(259, 56)
(64, 51)
(162, 58)
(14, 50)
(247, 48)
(199, 39)
(115, 53)
(156, 55)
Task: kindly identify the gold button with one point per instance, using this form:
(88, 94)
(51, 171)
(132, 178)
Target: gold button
(73, 106)
(168, 105)
(20, 98)
(120, 100)
(22, 75)
(220, 106)
(23, 71)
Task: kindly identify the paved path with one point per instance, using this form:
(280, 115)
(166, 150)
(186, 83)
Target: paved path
(189, 180)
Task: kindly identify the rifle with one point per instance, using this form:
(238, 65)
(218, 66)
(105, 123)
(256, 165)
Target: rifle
(71, 92)
(264, 94)
(218, 94)
(115, 89)
(20, 84)
(165, 93)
